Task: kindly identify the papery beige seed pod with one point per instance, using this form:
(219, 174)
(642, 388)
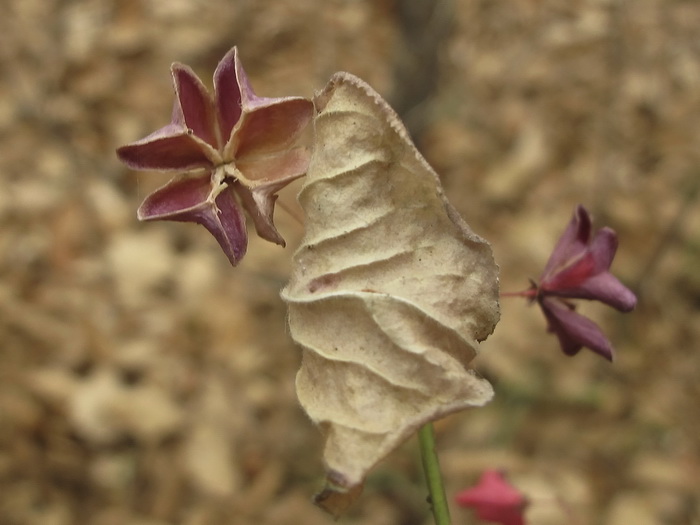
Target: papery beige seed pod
(390, 293)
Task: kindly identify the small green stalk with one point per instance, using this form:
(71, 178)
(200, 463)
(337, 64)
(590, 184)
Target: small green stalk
(433, 477)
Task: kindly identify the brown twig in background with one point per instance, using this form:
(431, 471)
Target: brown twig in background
(425, 27)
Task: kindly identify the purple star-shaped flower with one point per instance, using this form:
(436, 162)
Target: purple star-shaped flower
(579, 269)
(232, 149)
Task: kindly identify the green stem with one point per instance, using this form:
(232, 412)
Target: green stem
(433, 477)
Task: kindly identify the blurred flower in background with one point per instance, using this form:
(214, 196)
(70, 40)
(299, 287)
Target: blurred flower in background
(579, 269)
(494, 499)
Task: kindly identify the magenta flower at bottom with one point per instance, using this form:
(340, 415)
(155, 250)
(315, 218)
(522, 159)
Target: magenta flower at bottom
(232, 151)
(494, 500)
(579, 269)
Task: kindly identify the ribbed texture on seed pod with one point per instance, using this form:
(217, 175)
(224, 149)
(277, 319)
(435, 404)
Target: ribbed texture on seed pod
(391, 290)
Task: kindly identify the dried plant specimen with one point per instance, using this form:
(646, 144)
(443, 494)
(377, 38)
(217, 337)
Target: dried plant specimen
(391, 290)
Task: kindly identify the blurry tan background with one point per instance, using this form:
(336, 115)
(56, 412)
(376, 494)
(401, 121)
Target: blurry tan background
(144, 381)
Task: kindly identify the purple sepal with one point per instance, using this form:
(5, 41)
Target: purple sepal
(246, 144)
(574, 330)
(191, 199)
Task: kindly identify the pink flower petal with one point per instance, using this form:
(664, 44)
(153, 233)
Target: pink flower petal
(260, 205)
(288, 165)
(180, 195)
(494, 499)
(270, 129)
(574, 330)
(187, 199)
(606, 288)
(196, 104)
(572, 243)
(228, 226)
(227, 93)
(603, 248)
(572, 276)
(169, 148)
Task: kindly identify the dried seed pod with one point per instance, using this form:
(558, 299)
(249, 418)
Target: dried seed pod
(391, 290)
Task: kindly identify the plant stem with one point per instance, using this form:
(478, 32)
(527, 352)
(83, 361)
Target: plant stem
(433, 477)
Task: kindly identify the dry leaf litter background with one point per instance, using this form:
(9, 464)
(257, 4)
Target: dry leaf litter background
(143, 381)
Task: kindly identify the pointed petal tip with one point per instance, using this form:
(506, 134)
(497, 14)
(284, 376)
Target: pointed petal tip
(178, 65)
(583, 221)
(122, 153)
(628, 302)
(141, 216)
(260, 207)
(269, 233)
(231, 55)
(606, 352)
(581, 211)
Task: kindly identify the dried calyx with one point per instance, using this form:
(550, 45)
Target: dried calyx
(232, 150)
